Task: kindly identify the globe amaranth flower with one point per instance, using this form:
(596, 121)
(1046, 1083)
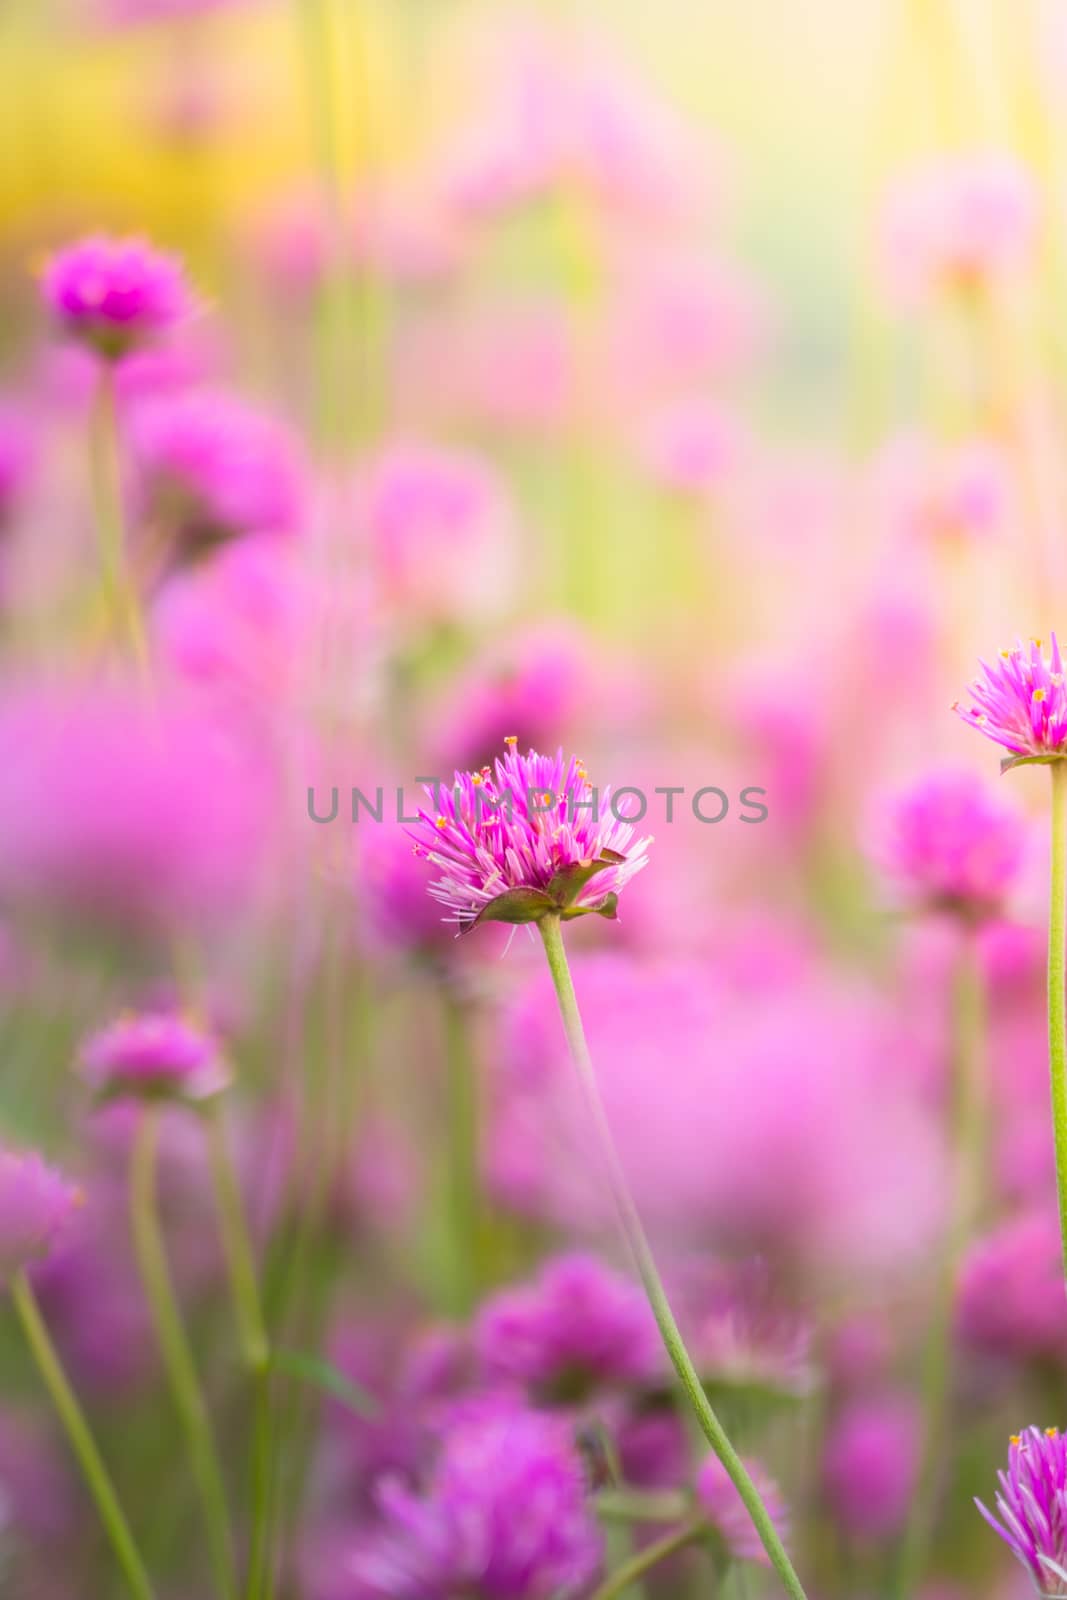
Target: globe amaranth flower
(506, 1517)
(115, 295)
(951, 843)
(153, 1055)
(1021, 703)
(577, 1327)
(1031, 1506)
(212, 468)
(725, 1510)
(36, 1204)
(870, 1463)
(1009, 1301)
(527, 838)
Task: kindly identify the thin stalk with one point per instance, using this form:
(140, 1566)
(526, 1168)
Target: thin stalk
(644, 1560)
(633, 1229)
(177, 1357)
(969, 1122)
(462, 1158)
(119, 591)
(1057, 976)
(255, 1347)
(97, 1478)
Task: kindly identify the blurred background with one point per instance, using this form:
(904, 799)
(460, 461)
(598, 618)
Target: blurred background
(680, 384)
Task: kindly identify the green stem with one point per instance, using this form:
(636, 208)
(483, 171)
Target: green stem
(711, 1427)
(255, 1345)
(120, 594)
(1057, 976)
(96, 1475)
(622, 1578)
(969, 1122)
(462, 1158)
(177, 1357)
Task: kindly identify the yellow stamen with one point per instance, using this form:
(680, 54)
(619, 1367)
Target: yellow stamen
(441, 822)
(511, 738)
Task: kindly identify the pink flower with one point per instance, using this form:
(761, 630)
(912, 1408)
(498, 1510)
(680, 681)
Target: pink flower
(36, 1205)
(442, 534)
(212, 468)
(952, 843)
(1021, 702)
(726, 1512)
(870, 1464)
(1010, 1300)
(153, 1055)
(525, 838)
(960, 223)
(578, 1326)
(143, 816)
(959, 491)
(690, 447)
(115, 295)
(788, 1132)
(505, 1518)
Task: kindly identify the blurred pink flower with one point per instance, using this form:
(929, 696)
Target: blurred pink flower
(153, 1054)
(690, 447)
(959, 223)
(208, 468)
(724, 1509)
(959, 491)
(576, 1327)
(145, 815)
(951, 842)
(442, 534)
(36, 1206)
(115, 295)
(1010, 1300)
(784, 1130)
(870, 1464)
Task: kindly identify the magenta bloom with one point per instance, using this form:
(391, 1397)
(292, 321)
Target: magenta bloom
(725, 1510)
(36, 1203)
(1032, 1507)
(960, 222)
(214, 468)
(872, 1456)
(1010, 1300)
(115, 295)
(1021, 703)
(952, 843)
(505, 1518)
(577, 1327)
(153, 1055)
(527, 837)
(441, 531)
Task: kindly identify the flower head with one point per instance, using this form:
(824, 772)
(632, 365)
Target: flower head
(526, 838)
(950, 842)
(579, 1325)
(115, 295)
(725, 1510)
(1021, 702)
(1032, 1507)
(505, 1518)
(36, 1203)
(870, 1464)
(1010, 1300)
(153, 1055)
(214, 468)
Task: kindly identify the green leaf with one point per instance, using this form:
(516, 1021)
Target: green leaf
(607, 908)
(1009, 762)
(323, 1375)
(567, 884)
(516, 905)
